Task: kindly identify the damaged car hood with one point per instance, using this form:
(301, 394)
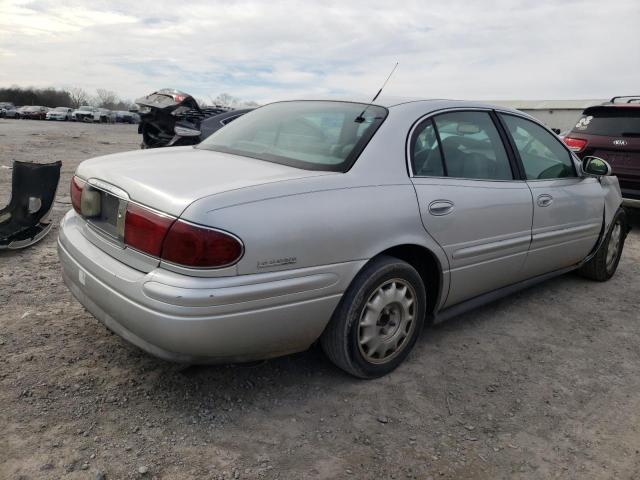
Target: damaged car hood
(171, 179)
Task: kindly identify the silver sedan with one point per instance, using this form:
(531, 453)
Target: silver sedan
(332, 221)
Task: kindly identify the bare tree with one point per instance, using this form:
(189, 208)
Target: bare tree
(229, 101)
(78, 96)
(106, 98)
(226, 100)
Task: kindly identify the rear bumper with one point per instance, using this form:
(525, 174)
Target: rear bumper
(202, 320)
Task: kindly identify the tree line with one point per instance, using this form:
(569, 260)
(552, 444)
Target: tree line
(72, 97)
(103, 98)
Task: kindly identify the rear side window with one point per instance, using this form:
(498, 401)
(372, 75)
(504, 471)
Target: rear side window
(425, 152)
(610, 122)
(460, 145)
(542, 154)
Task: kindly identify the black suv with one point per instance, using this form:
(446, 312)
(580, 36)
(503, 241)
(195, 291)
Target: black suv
(612, 131)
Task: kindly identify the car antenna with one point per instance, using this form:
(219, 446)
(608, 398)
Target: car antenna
(360, 118)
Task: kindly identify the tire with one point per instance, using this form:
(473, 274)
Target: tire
(358, 325)
(605, 262)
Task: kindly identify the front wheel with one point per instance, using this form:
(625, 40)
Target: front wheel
(378, 320)
(605, 262)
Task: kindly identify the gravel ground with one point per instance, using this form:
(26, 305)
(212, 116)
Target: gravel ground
(543, 384)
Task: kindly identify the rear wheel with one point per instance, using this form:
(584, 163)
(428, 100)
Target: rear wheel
(378, 320)
(605, 262)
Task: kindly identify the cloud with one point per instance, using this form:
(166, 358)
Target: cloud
(268, 50)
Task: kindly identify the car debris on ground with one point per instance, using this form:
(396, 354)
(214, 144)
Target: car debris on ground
(23, 221)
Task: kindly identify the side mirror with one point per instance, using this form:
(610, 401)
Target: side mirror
(595, 166)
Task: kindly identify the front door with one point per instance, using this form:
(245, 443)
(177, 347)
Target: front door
(470, 202)
(567, 209)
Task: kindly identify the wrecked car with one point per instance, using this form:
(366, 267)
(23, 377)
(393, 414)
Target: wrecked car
(84, 113)
(170, 117)
(23, 221)
(346, 222)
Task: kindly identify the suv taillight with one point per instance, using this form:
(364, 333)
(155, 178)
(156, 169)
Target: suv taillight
(201, 247)
(77, 186)
(177, 241)
(575, 144)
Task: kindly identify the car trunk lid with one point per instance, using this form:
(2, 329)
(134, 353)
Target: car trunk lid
(166, 181)
(170, 179)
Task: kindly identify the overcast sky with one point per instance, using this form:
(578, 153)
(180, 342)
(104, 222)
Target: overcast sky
(265, 50)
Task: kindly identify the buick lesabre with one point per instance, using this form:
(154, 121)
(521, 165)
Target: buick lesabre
(347, 223)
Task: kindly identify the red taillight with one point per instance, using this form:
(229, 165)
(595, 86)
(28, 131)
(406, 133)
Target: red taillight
(575, 144)
(77, 186)
(145, 229)
(195, 246)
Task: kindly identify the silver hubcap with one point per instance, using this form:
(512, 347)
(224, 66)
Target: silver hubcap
(614, 246)
(387, 321)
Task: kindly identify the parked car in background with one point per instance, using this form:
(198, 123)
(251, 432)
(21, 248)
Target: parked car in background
(59, 113)
(123, 116)
(8, 110)
(347, 222)
(612, 131)
(186, 131)
(83, 113)
(210, 125)
(33, 112)
(104, 115)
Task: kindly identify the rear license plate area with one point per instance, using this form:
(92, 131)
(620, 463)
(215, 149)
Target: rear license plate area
(110, 219)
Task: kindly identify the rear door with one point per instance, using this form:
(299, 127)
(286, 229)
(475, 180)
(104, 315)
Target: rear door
(470, 201)
(567, 209)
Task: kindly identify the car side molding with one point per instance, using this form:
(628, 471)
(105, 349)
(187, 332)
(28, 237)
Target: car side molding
(497, 294)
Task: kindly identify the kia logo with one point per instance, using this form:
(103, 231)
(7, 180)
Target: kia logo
(620, 143)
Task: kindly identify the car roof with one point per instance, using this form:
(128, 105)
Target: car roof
(388, 101)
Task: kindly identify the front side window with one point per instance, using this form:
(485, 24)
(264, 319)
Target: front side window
(472, 146)
(543, 155)
(314, 135)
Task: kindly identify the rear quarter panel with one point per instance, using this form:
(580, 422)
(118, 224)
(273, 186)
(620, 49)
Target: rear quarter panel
(318, 227)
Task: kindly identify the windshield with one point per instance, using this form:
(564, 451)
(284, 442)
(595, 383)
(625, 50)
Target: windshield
(314, 135)
(61, 109)
(85, 107)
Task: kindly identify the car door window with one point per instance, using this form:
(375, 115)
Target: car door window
(542, 154)
(425, 152)
(472, 147)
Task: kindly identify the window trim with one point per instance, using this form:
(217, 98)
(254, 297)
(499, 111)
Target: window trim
(414, 131)
(500, 113)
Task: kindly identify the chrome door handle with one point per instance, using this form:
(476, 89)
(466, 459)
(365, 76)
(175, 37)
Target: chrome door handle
(440, 207)
(545, 200)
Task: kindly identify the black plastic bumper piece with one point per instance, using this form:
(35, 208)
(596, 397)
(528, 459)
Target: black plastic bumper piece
(23, 221)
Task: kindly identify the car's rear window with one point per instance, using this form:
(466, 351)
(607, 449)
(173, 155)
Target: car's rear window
(610, 121)
(314, 135)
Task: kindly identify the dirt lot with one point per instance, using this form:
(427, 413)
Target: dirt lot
(543, 384)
